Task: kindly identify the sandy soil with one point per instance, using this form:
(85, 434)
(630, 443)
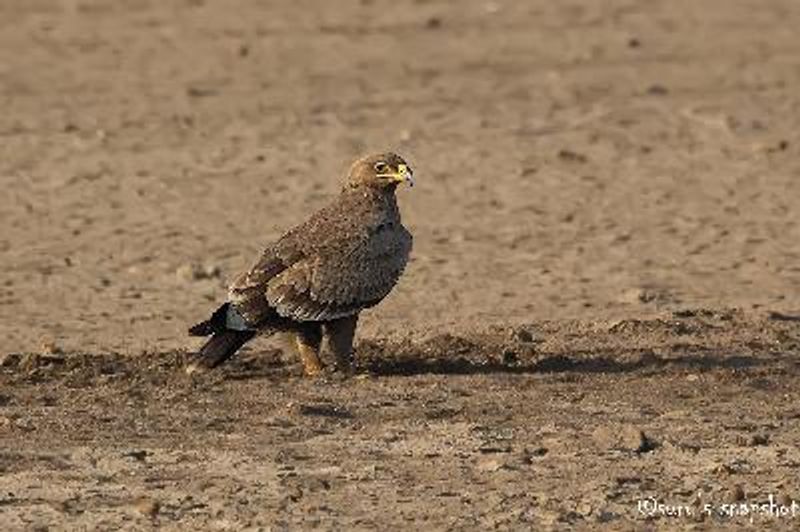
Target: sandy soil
(602, 304)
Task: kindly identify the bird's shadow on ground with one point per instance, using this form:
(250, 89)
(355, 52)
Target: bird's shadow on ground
(450, 355)
(385, 360)
(551, 364)
(603, 362)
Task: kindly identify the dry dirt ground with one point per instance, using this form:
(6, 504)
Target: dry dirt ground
(602, 312)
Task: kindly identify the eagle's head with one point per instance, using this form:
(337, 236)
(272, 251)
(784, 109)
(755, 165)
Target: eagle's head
(383, 171)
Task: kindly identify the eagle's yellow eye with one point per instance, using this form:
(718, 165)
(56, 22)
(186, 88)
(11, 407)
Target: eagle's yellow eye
(381, 167)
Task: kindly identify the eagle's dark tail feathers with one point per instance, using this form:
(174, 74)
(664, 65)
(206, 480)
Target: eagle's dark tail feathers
(223, 343)
(214, 324)
(219, 348)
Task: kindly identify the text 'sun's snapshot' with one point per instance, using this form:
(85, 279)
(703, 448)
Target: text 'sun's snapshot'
(773, 508)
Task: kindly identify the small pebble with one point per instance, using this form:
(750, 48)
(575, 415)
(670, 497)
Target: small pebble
(627, 438)
(490, 465)
(147, 506)
(50, 348)
(572, 156)
(657, 90)
(738, 494)
(524, 336)
(197, 272)
(433, 23)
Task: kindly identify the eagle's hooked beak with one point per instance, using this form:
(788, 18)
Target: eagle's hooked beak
(404, 173)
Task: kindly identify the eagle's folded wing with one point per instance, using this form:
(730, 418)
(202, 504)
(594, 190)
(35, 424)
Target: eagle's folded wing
(246, 293)
(334, 265)
(340, 280)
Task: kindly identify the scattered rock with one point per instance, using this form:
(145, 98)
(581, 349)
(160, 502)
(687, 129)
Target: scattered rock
(584, 509)
(782, 145)
(539, 452)
(637, 441)
(139, 455)
(433, 23)
(753, 440)
(633, 42)
(605, 516)
(779, 316)
(197, 272)
(50, 348)
(494, 449)
(627, 438)
(22, 423)
(657, 90)
(737, 494)
(324, 410)
(490, 465)
(528, 457)
(572, 156)
(32, 361)
(524, 336)
(201, 92)
(510, 357)
(147, 506)
(638, 295)
(10, 360)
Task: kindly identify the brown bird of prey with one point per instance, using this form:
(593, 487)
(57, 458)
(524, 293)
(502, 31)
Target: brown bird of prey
(315, 280)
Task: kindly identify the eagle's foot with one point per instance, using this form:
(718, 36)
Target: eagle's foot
(307, 343)
(339, 334)
(312, 368)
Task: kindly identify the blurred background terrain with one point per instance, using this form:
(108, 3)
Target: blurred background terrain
(574, 159)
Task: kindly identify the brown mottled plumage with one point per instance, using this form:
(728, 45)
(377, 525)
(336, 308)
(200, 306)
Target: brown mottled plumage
(314, 281)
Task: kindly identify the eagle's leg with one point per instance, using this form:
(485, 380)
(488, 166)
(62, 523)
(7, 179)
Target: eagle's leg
(339, 334)
(308, 338)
